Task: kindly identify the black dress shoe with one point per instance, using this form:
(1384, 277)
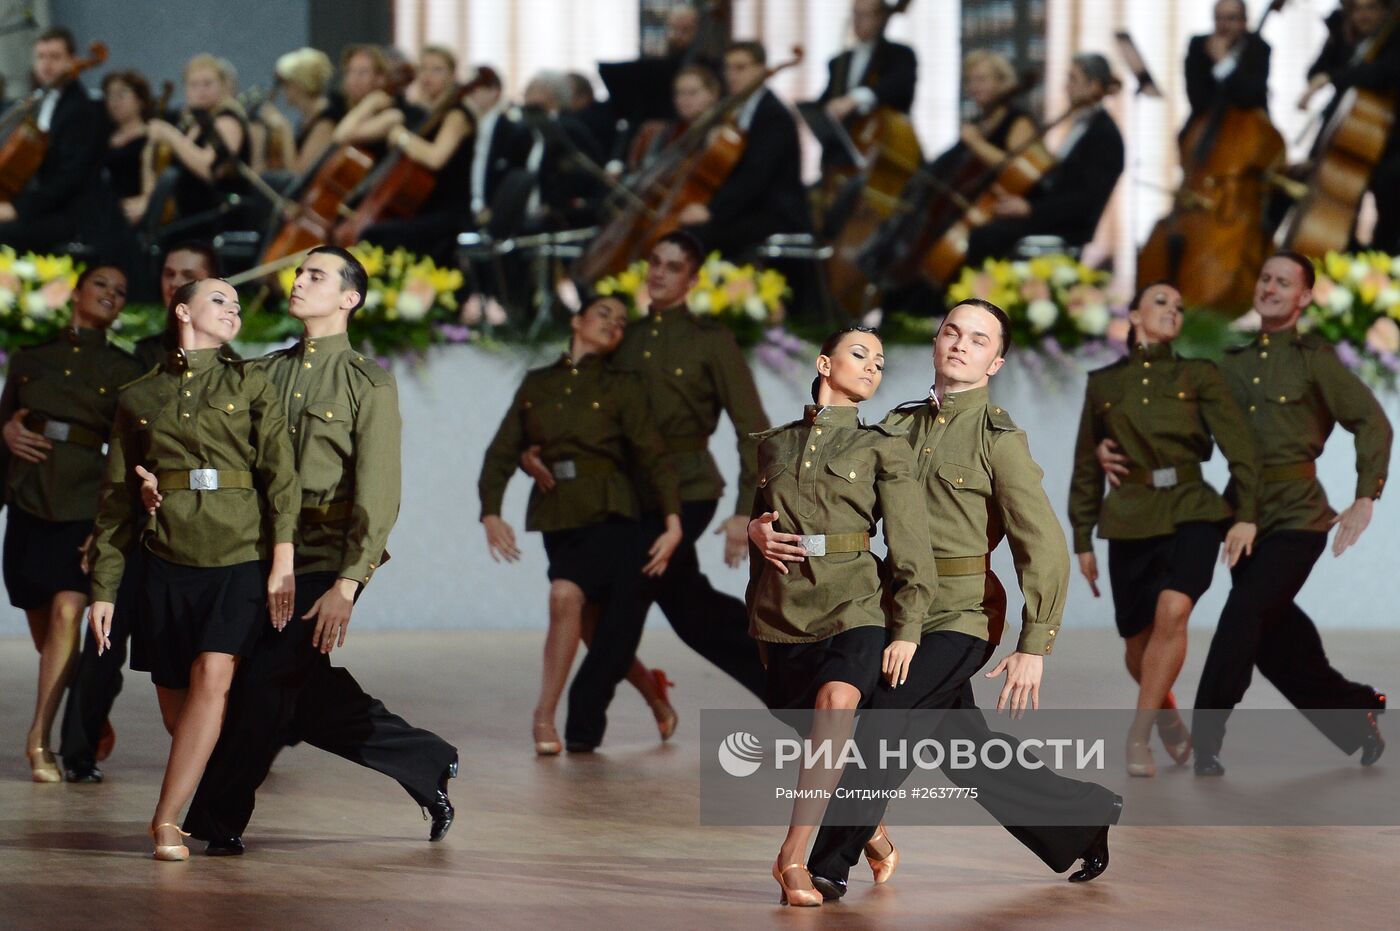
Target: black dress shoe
(83, 772)
(578, 746)
(440, 809)
(224, 847)
(830, 889)
(1096, 857)
(1374, 744)
(1208, 764)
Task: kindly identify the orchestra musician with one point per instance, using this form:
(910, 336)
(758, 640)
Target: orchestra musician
(874, 72)
(1001, 125)
(447, 154)
(590, 111)
(1230, 64)
(127, 97)
(204, 150)
(1071, 197)
(695, 91)
(764, 194)
(1350, 29)
(497, 145)
(303, 76)
(47, 210)
(559, 150)
(371, 112)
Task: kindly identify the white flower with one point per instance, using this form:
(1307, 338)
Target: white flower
(1340, 301)
(1395, 267)
(373, 298)
(700, 302)
(1022, 270)
(411, 307)
(36, 306)
(25, 269)
(1065, 275)
(753, 306)
(7, 300)
(1358, 271)
(1042, 314)
(1386, 299)
(1093, 319)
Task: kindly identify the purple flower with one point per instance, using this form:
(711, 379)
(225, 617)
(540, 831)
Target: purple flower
(1348, 354)
(771, 356)
(455, 333)
(1052, 348)
(1391, 362)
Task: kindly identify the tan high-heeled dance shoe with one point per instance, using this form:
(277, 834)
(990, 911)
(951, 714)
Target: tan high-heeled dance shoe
(882, 866)
(666, 717)
(1140, 761)
(170, 852)
(547, 741)
(43, 767)
(1175, 737)
(803, 898)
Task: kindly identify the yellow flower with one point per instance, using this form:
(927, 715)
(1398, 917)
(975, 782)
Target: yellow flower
(444, 280)
(1042, 267)
(771, 287)
(629, 281)
(606, 287)
(370, 256)
(7, 258)
(1336, 265)
(719, 300)
(286, 278)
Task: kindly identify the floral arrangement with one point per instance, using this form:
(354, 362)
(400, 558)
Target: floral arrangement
(748, 300)
(34, 293)
(1056, 303)
(1356, 306)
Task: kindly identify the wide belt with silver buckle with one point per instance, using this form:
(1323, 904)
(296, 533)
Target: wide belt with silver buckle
(568, 469)
(829, 544)
(203, 480)
(1167, 477)
(61, 432)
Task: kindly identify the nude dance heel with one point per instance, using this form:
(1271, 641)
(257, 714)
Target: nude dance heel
(804, 898)
(882, 866)
(42, 766)
(547, 739)
(1176, 738)
(666, 717)
(170, 852)
(1140, 761)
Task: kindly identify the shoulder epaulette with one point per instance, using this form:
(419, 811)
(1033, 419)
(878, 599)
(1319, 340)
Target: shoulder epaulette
(999, 419)
(377, 374)
(155, 369)
(888, 429)
(765, 434)
(1313, 341)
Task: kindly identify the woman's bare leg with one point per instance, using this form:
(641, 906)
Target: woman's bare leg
(200, 720)
(1162, 660)
(58, 658)
(560, 647)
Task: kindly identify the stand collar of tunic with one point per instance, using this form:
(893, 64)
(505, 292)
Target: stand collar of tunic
(86, 338)
(961, 400)
(1287, 335)
(665, 314)
(569, 362)
(326, 345)
(193, 361)
(1152, 352)
(831, 415)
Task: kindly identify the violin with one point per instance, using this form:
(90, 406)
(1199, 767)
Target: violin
(1349, 148)
(689, 171)
(1214, 239)
(23, 151)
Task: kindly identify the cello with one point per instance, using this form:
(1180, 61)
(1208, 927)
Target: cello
(398, 186)
(24, 149)
(690, 171)
(1214, 239)
(1349, 146)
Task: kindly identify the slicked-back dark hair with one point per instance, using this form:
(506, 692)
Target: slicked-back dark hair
(183, 295)
(59, 34)
(833, 342)
(1003, 320)
(687, 243)
(1303, 262)
(353, 276)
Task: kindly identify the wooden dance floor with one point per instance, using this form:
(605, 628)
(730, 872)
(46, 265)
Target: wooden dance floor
(613, 840)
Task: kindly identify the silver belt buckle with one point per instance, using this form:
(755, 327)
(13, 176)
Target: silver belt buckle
(1164, 478)
(204, 479)
(565, 469)
(56, 430)
(814, 544)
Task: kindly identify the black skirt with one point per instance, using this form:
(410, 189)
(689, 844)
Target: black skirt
(592, 557)
(797, 671)
(41, 558)
(1140, 570)
(189, 610)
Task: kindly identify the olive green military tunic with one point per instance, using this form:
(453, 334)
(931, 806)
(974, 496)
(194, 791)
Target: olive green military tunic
(829, 474)
(1165, 413)
(342, 414)
(1293, 390)
(981, 485)
(198, 412)
(69, 386)
(593, 424)
(152, 351)
(694, 370)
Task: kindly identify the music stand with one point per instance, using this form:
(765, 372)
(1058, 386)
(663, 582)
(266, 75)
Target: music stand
(1128, 50)
(640, 90)
(838, 148)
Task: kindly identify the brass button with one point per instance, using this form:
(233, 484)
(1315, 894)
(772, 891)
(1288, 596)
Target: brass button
(568, 391)
(360, 358)
(143, 421)
(310, 348)
(187, 392)
(1264, 355)
(191, 374)
(1181, 395)
(1282, 398)
(1051, 633)
(1147, 381)
(296, 394)
(646, 354)
(960, 480)
(67, 372)
(1256, 379)
(330, 414)
(366, 578)
(680, 372)
(595, 405)
(813, 447)
(306, 365)
(818, 431)
(1147, 365)
(852, 475)
(229, 406)
(101, 390)
(573, 371)
(655, 332)
(807, 464)
(927, 450)
(942, 419)
(1144, 400)
(996, 410)
(763, 481)
(294, 429)
(76, 349)
(1252, 408)
(186, 414)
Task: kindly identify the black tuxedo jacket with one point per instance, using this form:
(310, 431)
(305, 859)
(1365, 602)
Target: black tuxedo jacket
(1072, 196)
(768, 177)
(75, 149)
(891, 74)
(1247, 86)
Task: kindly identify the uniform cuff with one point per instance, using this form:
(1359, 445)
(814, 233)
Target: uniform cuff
(1247, 512)
(908, 631)
(1037, 639)
(101, 592)
(284, 528)
(1083, 539)
(1370, 487)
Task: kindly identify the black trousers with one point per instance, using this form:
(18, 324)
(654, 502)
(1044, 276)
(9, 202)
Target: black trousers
(288, 691)
(98, 679)
(938, 679)
(1262, 626)
(711, 623)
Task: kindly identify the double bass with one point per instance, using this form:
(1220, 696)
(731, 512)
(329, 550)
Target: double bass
(1349, 148)
(24, 149)
(1213, 241)
(690, 171)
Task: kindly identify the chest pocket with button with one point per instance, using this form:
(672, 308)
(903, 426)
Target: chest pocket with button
(853, 469)
(228, 418)
(1287, 390)
(324, 440)
(965, 479)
